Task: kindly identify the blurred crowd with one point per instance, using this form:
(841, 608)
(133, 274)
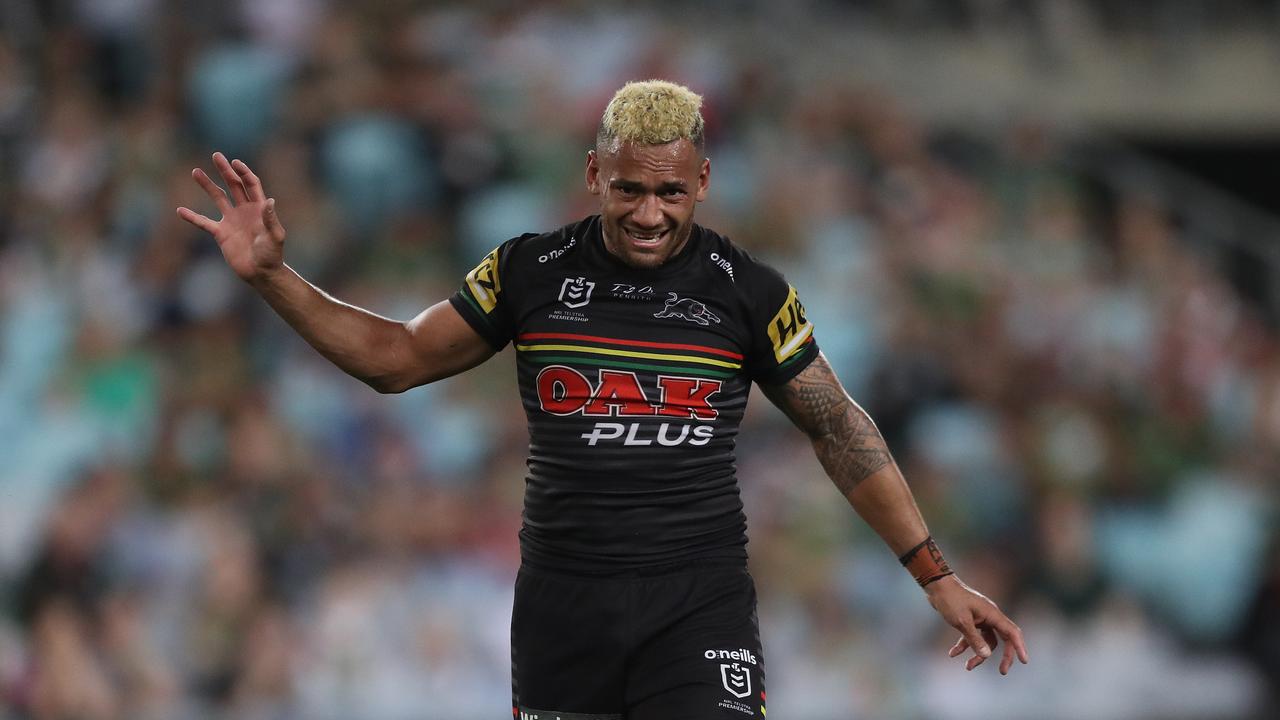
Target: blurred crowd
(200, 518)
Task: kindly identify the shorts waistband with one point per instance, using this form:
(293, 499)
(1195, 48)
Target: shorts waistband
(683, 567)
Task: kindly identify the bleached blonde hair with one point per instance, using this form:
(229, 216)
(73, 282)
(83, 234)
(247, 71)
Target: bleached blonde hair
(651, 112)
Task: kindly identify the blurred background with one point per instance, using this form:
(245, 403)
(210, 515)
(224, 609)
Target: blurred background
(1039, 240)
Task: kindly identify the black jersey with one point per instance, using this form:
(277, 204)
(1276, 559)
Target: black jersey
(634, 382)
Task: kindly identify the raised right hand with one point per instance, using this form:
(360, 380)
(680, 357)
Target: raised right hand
(249, 234)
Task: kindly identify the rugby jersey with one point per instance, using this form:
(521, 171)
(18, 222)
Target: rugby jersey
(634, 382)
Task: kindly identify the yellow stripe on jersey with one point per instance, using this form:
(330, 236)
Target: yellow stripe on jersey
(630, 353)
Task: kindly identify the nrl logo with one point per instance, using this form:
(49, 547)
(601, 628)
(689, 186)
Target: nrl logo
(736, 679)
(576, 292)
(686, 309)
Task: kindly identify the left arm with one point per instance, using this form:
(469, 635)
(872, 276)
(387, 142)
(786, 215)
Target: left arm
(855, 457)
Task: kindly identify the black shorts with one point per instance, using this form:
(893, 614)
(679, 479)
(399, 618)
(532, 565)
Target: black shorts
(678, 646)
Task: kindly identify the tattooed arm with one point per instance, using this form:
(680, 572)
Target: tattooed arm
(855, 456)
(853, 453)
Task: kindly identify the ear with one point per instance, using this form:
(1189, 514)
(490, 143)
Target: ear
(704, 180)
(593, 173)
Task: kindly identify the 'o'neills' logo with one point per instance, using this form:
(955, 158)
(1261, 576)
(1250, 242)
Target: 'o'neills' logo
(565, 391)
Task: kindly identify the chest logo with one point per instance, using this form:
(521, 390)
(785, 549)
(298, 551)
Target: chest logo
(686, 309)
(576, 292)
(565, 391)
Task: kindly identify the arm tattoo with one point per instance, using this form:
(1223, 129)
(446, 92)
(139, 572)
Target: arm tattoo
(847, 442)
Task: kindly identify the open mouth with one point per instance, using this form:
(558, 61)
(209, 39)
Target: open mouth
(645, 239)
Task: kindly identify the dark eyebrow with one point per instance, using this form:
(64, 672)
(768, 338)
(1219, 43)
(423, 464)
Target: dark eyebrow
(664, 187)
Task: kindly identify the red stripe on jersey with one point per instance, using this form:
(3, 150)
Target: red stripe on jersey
(636, 343)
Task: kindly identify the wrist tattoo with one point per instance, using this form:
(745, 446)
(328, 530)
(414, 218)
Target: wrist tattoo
(925, 562)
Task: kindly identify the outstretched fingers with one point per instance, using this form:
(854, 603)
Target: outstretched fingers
(215, 193)
(271, 221)
(231, 178)
(198, 220)
(252, 185)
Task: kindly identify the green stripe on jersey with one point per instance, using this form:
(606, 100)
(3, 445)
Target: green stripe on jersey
(798, 354)
(466, 295)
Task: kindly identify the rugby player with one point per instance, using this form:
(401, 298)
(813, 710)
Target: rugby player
(637, 334)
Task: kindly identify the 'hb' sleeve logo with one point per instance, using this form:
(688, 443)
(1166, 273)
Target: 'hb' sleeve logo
(789, 328)
(483, 282)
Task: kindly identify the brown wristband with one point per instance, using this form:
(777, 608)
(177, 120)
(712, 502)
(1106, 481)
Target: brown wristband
(925, 562)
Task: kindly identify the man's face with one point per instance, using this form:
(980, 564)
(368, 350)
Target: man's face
(647, 196)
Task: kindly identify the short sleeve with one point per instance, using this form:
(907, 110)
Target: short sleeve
(782, 342)
(481, 300)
